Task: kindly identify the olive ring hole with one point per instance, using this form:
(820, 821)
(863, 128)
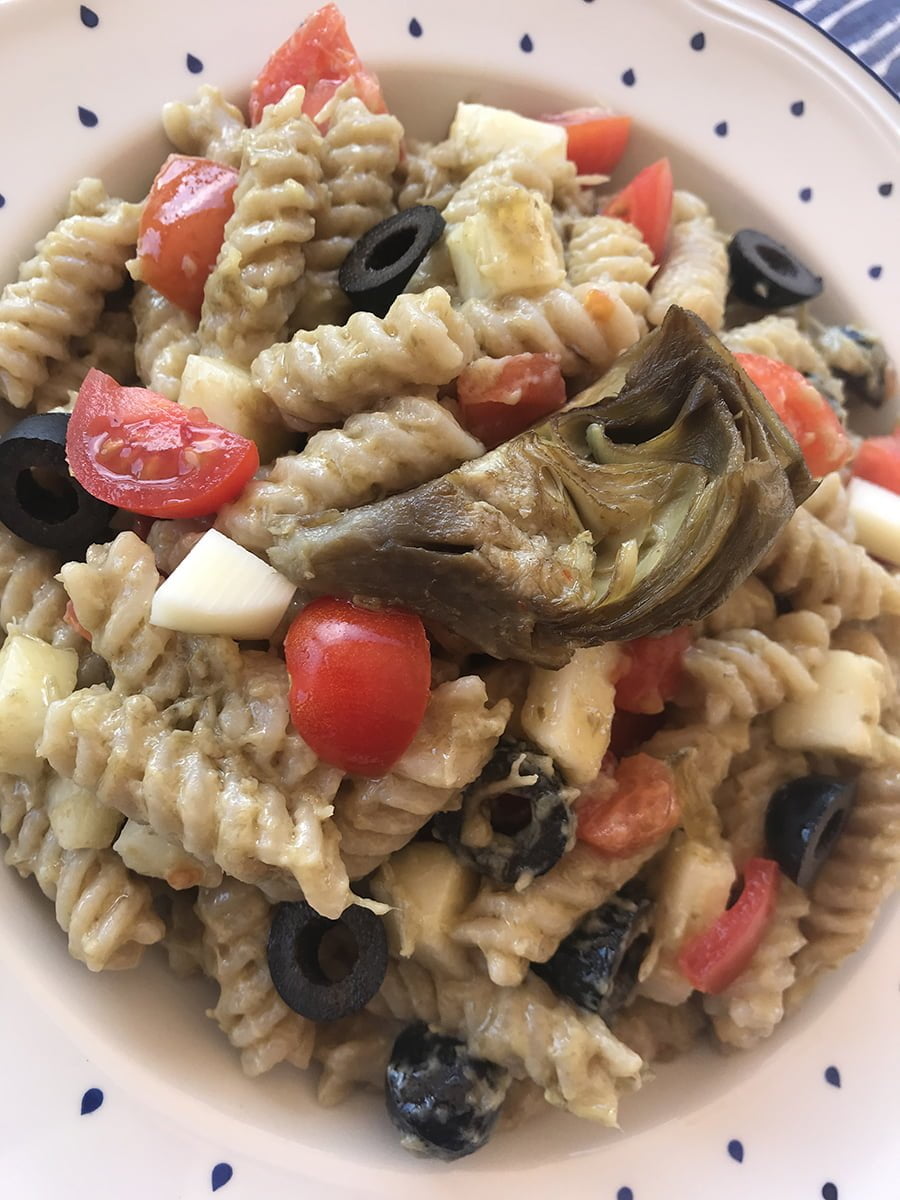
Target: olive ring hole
(47, 495)
(510, 813)
(391, 250)
(326, 951)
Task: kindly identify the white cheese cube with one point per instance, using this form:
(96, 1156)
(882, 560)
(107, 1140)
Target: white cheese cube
(149, 853)
(507, 246)
(568, 713)
(227, 396)
(78, 820)
(876, 514)
(481, 132)
(219, 587)
(32, 675)
(842, 716)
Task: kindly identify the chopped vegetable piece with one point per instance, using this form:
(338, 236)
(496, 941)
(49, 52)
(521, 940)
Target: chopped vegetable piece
(183, 226)
(878, 460)
(596, 138)
(809, 417)
(320, 56)
(32, 675)
(767, 274)
(713, 959)
(646, 203)
(359, 682)
(499, 397)
(130, 447)
(643, 808)
(875, 513)
(480, 133)
(652, 671)
(382, 262)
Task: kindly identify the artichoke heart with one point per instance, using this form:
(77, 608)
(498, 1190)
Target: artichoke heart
(635, 509)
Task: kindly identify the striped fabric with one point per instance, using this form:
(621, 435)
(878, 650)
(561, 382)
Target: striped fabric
(869, 29)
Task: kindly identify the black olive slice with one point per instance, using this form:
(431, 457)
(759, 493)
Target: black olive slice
(766, 274)
(383, 260)
(40, 501)
(531, 822)
(803, 821)
(597, 965)
(444, 1101)
(326, 969)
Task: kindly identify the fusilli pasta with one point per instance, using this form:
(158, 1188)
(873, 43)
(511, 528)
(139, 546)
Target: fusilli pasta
(109, 347)
(165, 336)
(695, 271)
(611, 253)
(207, 126)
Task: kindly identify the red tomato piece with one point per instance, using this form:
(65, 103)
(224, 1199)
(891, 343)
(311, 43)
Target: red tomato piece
(643, 808)
(183, 226)
(646, 203)
(652, 671)
(499, 397)
(596, 138)
(808, 416)
(320, 56)
(878, 460)
(359, 682)
(713, 959)
(135, 449)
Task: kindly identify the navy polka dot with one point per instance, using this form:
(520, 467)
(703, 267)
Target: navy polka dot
(805, 194)
(2, 199)
(833, 1076)
(829, 1192)
(193, 64)
(415, 28)
(629, 78)
(88, 17)
(736, 1150)
(87, 118)
(526, 44)
(875, 272)
(91, 1101)
(721, 130)
(624, 1193)
(698, 41)
(220, 1175)
(885, 189)
(798, 108)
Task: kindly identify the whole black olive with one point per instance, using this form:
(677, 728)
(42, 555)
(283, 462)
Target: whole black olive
(382, 262)
(766, 274)
(326, 969)
(444, 1101)
(39, 500)
(803, 821)
(597, 965)
(522, 802)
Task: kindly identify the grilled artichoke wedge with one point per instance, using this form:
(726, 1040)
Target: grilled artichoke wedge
(635, 509)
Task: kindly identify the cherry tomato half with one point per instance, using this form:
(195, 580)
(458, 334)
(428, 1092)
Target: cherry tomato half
(646, 203)
(808, 416)
(321, 56)
(878, 460)
(360, 680)
(643, 808)
(135, 449)
(499, 397)
(183, 226)
(652, 671)
(596, 138)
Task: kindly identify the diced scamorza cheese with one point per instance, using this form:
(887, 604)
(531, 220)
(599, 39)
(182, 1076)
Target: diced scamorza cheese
(227, 396)
(876, 514)
(481, 132)
(220, 587)
(32, 675)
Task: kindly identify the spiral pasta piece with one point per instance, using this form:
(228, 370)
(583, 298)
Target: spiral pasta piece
(658, 1032)
(109, 347)
(256, 282)
(611, 253)
(412, 440)
(165, 336)
(353, 1052)
(815, 565)
(251, 1014)
(31, 598)
(830, 504)
(571, 1054)
(695, 271)
(106, 911)
(206, 127)
(749, 1009)
(59, 293)
(430, 174)
(750, 606)
(743, 798)
(780, 338)
(321, 377)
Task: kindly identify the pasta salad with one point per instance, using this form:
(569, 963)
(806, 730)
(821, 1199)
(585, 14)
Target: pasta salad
(442, 600)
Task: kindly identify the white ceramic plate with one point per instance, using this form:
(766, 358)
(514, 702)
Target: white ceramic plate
(118, 1086)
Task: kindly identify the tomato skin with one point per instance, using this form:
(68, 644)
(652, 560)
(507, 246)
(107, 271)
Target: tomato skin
(183, 226)
(878, 460)
(145, 454)
(360, 681)
(643, 808)
(596, 138)
(714, 958)
(320, 56)
(652, 671)
(500, 397)
(646, 203)
(71, 619)
(809, 418)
